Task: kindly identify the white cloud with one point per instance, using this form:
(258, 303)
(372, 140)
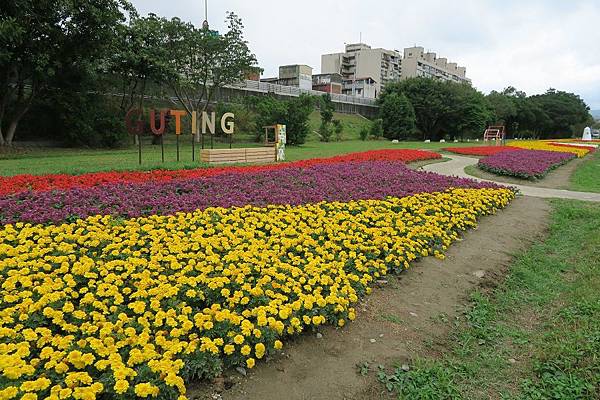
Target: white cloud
(531, 45)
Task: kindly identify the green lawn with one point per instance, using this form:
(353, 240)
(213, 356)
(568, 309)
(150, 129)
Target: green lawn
(537, 336)
(77, 161)
(586, 177)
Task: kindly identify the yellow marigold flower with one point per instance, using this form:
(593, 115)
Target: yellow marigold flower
(146, 390)
(228, 349)
(250, 362)
(9, 393)
(245, 350)
(121, 386)
(238, 339)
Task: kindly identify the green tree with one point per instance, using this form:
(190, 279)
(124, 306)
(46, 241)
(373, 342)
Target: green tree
(41, 39)
(442, 108)
(503, 106)
(326, 108)
(139, 58)
(563, 110)
(298, 113)
(293, 113)
(377, 128)
(202, 61)
(470, 112)
(398, 116)
(429, 98)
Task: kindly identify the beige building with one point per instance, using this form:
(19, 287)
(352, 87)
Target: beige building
(417, 62)
(383, 66)
(360, 61)
(293, 75)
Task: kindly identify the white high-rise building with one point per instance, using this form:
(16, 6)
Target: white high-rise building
(360, 62)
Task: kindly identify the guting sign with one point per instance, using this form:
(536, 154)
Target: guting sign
(201, 122)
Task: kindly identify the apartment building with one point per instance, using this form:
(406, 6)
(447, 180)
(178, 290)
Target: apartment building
(416, 62)
(361, 61)
(329, 83)
(360, 87)
(383, 66)
(298, 75)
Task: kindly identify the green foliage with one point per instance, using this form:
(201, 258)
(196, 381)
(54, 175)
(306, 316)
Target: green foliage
(503, 107)
(398, 116)
(470, 112)
(325, 132)
(43, 39)
(552, 114)
(338, 128)
(376, 130)
(425, 381)
(245, 119)
(298, 112)
(199, 62)
(536, 336)
(139, 58)
(585, 177)
(430, 101)
(329, 129)
(441, 108)
(293, 113)
(364, 133)
(562, 110)
(326, 108)
(90, 121)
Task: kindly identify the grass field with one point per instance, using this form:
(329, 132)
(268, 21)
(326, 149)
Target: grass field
(77, 161)
(587, 177)
(537, 336)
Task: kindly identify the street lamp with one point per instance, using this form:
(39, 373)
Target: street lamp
(205, 23)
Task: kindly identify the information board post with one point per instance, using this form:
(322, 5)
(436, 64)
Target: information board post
(281, 137)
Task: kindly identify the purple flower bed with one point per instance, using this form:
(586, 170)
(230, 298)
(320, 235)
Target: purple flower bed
(527, 164)
(323, 182)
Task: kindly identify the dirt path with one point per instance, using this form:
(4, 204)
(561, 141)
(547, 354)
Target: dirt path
(396, 323)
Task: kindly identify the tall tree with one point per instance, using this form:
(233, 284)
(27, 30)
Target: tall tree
(503, 106)
(429, 100)
(398, 116)
(139, 58)
(470, 112)
(202, 61)
(563, 110)
(39, 39)
(326, 109)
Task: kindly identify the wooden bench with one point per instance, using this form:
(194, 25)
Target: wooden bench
(245, 155)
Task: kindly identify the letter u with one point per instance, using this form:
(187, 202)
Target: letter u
(161, 129)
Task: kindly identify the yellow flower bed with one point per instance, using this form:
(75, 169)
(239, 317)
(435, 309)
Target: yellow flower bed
(543, 145)
(135, 308)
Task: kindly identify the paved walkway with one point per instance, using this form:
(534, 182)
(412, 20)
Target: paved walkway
(456, 167)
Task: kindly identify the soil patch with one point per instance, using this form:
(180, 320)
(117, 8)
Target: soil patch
(558, 178)
(404, 318)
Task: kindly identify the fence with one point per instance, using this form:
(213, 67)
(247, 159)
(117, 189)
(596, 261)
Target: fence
(265, 87)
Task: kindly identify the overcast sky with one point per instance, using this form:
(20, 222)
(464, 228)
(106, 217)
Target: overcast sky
(529, 44)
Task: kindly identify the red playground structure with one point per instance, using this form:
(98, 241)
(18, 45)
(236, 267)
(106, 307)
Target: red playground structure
(497, 133)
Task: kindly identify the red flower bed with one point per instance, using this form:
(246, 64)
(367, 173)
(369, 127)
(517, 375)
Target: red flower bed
(39, 183)
(480, 150)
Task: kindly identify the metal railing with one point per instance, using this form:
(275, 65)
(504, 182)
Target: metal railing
(264, 87)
